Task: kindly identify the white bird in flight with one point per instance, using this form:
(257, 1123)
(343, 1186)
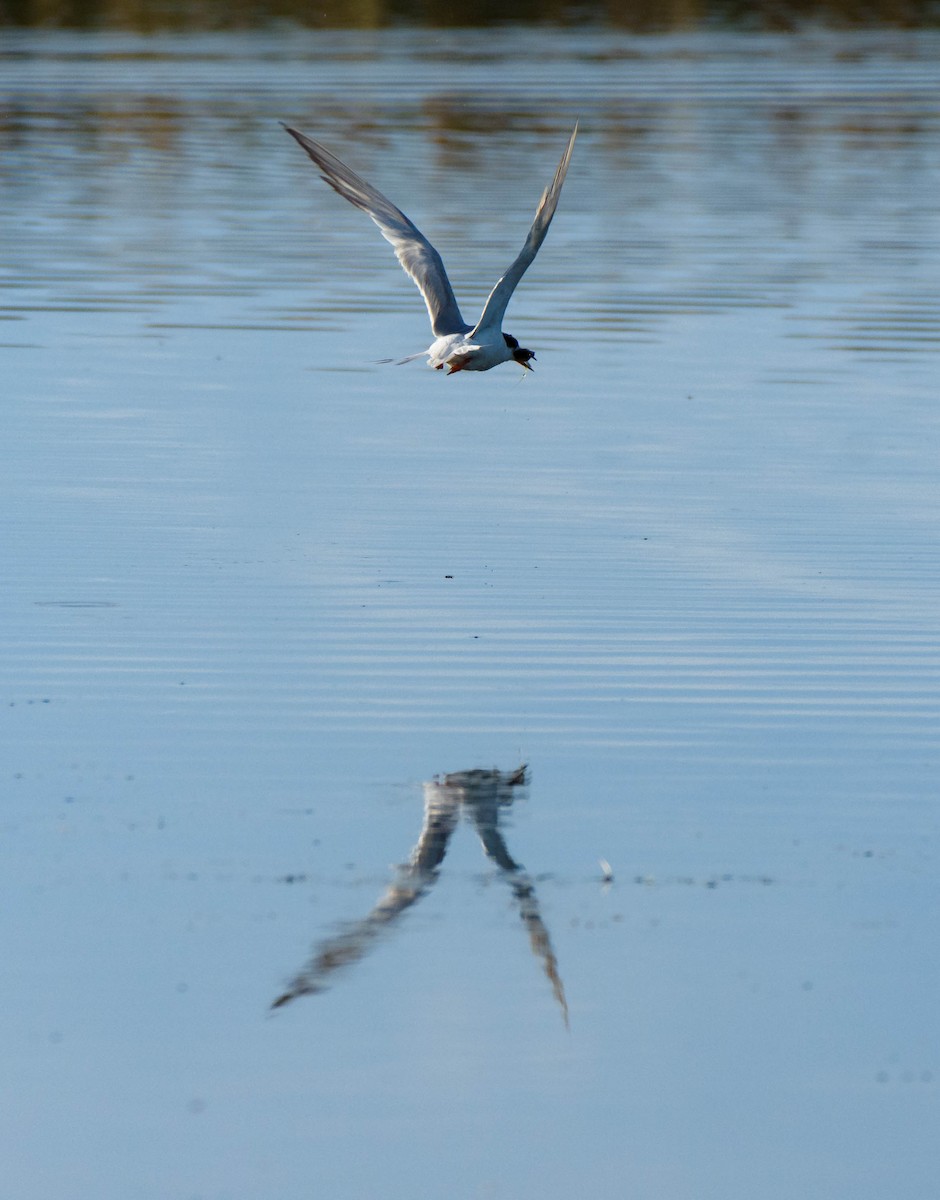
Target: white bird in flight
(457, 345)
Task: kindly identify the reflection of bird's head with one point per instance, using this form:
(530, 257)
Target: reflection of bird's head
(520, 355)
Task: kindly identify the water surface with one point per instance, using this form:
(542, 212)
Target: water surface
(260, 589)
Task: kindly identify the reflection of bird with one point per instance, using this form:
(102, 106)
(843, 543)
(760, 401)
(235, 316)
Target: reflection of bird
(458, 346)
(481, 795)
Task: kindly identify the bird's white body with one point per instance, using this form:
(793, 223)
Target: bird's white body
(463, 352)
(457, 345)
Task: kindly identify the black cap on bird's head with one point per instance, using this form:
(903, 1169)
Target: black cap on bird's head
(520, 355)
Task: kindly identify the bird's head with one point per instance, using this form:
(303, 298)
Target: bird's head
(519, 354)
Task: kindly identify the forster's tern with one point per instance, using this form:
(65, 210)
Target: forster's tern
(457, 345)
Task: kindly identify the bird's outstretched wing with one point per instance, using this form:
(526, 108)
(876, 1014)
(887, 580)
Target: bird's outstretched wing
(415, 253)
(495, 308)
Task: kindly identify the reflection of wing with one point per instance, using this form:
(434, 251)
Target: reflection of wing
(441, 812)
(483, 803)
(414, 879)
(483, 811)
(539, 940)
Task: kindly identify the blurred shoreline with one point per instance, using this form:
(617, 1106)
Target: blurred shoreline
(638, 16)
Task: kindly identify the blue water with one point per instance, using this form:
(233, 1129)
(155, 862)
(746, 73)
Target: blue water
(260, 589)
